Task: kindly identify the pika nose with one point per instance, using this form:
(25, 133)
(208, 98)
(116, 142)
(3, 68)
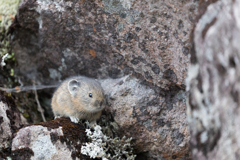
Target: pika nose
(98, 103)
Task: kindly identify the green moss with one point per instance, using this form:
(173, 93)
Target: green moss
(8, 9)
(26, 115)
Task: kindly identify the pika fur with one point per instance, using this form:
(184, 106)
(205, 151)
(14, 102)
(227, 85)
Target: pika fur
(79, 98)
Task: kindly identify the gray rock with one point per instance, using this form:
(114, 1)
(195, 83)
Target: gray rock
(104, 39)
(10, 121)
(156, 123)
(111, 39)
(38, 139)
(213, 83)
(58, 139)
(5, 124)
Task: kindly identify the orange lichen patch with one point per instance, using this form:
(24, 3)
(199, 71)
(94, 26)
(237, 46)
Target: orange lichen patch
(94, 29)
(92, 52)
(12, 16)
(17, 88)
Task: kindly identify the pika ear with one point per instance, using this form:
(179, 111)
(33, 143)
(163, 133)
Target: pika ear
(73, 86)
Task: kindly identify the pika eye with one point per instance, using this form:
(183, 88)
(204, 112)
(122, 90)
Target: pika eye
(90, 95)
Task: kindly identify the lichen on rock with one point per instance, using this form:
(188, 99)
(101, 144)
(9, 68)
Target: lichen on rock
(105, 147)
(57, 139)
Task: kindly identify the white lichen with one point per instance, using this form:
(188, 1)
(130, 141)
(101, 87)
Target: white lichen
(95, 148)
(204, 137)
(192, 73)
(3, 58)
(127, 4)
(54, 5)
(100, 145)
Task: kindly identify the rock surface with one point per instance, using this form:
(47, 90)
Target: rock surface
(102, 39)
(58, 139)
(213, 80)
(10, 121)
(155, 125)
(109, 39)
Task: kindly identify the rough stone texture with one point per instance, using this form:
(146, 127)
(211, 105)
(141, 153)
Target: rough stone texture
(101, 39)
(213, 80)
(156, 123)
(110, 39)
(10, 121)
(5, 127)
(58, 139)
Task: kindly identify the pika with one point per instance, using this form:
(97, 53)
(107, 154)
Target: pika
(79, 98)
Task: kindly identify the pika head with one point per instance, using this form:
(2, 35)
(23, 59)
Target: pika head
(87, 93)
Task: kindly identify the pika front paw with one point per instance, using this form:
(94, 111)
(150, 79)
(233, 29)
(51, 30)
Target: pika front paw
(74, 119)
(57, 117)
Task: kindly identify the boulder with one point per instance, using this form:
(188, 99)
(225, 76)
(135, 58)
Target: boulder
(104, 39)
(153, 117)
(139, 50)
(57, 139)
(213, 83)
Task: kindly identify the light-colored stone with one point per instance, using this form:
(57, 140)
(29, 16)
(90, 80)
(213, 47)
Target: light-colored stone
(5, 127)
(57, 139)
(214, 86)
(38, 139)
(10, 120)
